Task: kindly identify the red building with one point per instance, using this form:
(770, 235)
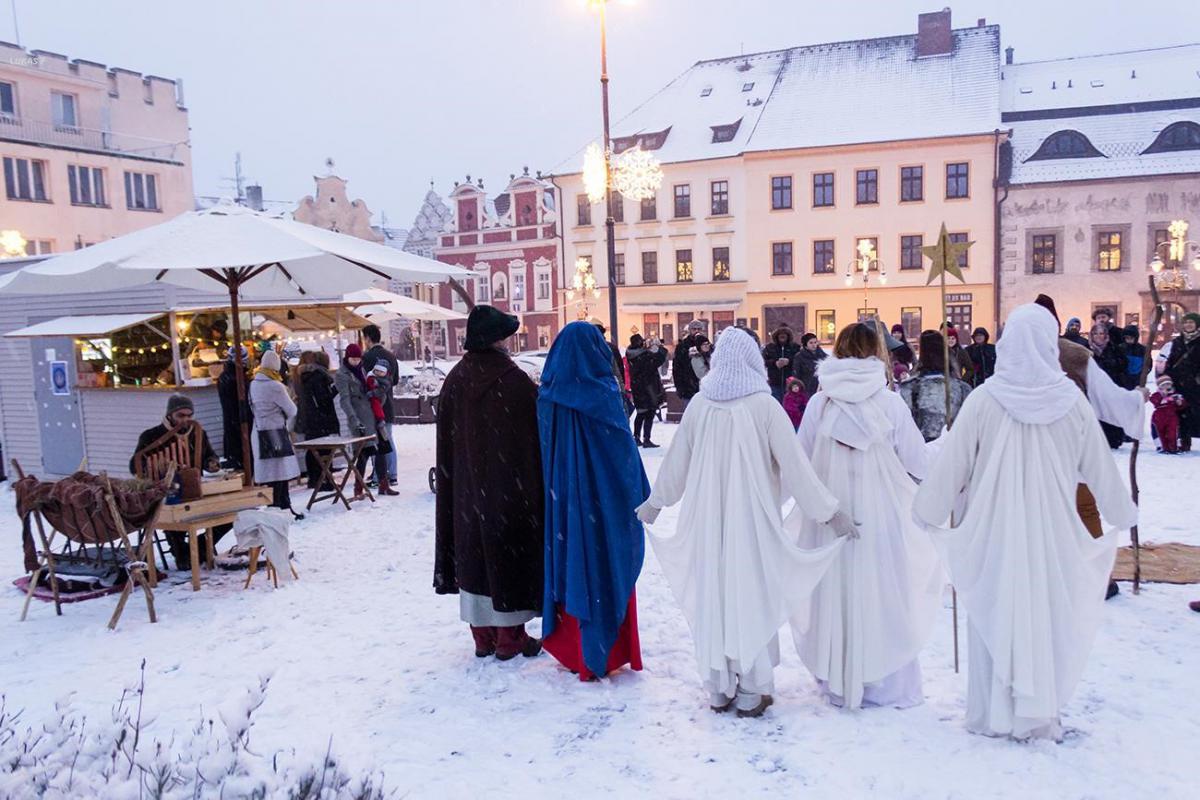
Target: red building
(511, 244)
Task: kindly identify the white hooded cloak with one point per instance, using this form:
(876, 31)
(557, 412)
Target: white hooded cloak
(1030, 576)
(874, 610)
(735, 573)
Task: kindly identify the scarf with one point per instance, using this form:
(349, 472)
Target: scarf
(848, 383)
(1029, 381)
(736, 370)
(1190, 337)
(270, 373)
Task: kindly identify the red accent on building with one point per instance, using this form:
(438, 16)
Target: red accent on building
(513, 242)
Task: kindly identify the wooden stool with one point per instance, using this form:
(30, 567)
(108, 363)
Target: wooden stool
(272, 575)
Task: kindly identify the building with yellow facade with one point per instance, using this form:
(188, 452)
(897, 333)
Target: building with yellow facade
(784, 170)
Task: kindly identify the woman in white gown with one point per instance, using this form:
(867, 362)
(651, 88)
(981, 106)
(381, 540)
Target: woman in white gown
(737, 576)
(1030, 576)
(874, 610)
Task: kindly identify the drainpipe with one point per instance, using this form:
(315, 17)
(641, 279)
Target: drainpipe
(999, 201)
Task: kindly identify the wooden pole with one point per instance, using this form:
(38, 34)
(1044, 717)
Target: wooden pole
(233, 281)
(949, 422)
(171, 323)
(1147, 362)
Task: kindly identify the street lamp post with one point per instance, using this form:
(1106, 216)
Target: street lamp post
(609, 221)
(866, 260)
(1177, 249)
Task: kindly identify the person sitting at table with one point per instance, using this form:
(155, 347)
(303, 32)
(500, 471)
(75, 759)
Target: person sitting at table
(179, 419)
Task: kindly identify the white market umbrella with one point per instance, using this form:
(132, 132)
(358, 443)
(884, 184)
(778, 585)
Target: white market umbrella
(383, 305)
(252, 254)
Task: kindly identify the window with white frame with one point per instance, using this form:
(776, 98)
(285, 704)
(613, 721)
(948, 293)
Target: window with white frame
(544, 297)
(517, 281)
(141, 191)
(87, 185)
(483, 283)
(62, 105)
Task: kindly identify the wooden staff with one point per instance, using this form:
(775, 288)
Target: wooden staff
(1134, 539)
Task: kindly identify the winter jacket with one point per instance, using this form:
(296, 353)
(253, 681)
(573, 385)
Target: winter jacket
(960, 364)
(227, 394)
(379, 393)
(373, 356)
(152, 435)
(686, 382)
(1183, 366)
(794, 403)
(925, 396)
(777, 349)
(983, 362)
(1112, 361)
(356, 405)
(645, 382)
(805, 368)
(273, 410)
(1135, 357)
(316, 415)
(490, 532)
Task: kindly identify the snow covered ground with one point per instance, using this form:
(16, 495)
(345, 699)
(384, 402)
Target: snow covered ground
(363, 651)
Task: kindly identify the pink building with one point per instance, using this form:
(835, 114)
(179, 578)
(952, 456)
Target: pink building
(510, 243)
(89, 152)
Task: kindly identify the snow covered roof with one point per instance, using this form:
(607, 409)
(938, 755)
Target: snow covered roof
(1120, 102)
(869, 90)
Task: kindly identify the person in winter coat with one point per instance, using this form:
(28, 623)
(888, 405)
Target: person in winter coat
(1183, 367)
(808, 358)
(795, 400)
(982, 356)
(1135, 357)
(645, 384)
(1109, 358)
(1167, 405)
(376, 353)
(379, 391)
(316, 414)
(925, 393)
(355, 400)
(903, 353)
(960, 363)
(733, 569)
(687, 384)
(490, 503)
(779, 357)
(874, 611)
(701, 355)
(227, 394)
(593, 481)
(275, 461)
(1074, 332)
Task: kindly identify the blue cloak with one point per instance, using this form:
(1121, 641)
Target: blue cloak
(594, 481)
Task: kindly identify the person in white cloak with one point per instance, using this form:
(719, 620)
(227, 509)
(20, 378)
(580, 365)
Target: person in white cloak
(736, 574)
(1030, 576)
(874, 610)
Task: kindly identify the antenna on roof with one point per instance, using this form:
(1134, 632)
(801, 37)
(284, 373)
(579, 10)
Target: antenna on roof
(16, 27)
(238, 180)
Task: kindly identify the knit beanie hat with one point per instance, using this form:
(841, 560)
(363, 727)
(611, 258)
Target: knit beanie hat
(487, 325)
(270, 360)
(1193, 316)
(380, 367)
(737, 368)
(353, 351)
(178, 401)
(1075, 321)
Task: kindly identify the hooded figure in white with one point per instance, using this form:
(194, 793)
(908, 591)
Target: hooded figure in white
(874, 610)
(1031, 577)
(737, 576)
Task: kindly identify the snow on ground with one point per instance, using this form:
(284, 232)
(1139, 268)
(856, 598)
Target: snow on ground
(364, 652)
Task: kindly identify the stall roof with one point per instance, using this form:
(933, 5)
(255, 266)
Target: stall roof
(301, 316)
(90, 325)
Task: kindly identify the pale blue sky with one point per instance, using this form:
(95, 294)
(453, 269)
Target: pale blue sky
(406, 91)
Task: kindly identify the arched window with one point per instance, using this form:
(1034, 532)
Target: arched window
(1176, 136)
(1065, 144)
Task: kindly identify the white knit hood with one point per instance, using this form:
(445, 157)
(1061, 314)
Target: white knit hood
(850, 417)
(1029, 381)
(737, 368)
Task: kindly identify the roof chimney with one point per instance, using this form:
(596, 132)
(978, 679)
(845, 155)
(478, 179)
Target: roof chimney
(981, 22)
(254, 197)
(1008, 54)
(934, 36)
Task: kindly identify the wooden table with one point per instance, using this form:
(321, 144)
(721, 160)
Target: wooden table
(326, 449)
(211, 510)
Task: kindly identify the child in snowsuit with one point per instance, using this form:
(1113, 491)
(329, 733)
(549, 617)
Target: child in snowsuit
(379, 391)
(1165, 418)
(795, 400)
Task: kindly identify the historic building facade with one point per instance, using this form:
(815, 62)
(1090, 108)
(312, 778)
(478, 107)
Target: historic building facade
(1106, 155)
(89, 152)
(510, 243)
(778, 165)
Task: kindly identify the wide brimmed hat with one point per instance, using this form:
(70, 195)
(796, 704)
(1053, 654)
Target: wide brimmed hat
(487, 325)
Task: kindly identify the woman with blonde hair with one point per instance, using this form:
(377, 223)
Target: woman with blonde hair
(874, 610)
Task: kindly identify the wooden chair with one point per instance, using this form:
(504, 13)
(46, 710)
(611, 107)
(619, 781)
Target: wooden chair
(180, 449)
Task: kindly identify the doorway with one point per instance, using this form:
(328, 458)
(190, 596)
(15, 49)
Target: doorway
(57, 396)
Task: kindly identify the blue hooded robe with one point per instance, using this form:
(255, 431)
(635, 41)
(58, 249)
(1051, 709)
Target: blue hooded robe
(594, 481)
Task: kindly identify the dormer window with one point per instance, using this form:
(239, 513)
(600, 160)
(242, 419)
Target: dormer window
(622, 143)
(747, 86)
(1065, 144)
(653, 141)
(706, 91)
(725, 133)
(1176, 136)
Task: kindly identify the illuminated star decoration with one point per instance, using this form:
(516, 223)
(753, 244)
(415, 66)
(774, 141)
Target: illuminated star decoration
(945, 255)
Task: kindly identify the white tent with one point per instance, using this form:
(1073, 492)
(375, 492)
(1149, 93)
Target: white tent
(381, 306)
(252, 254)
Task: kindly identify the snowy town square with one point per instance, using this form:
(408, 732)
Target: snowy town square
(613, 398)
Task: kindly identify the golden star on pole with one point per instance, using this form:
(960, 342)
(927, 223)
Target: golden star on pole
(945, 255)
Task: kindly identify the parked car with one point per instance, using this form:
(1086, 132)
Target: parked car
(419, 380)
(532, 362)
